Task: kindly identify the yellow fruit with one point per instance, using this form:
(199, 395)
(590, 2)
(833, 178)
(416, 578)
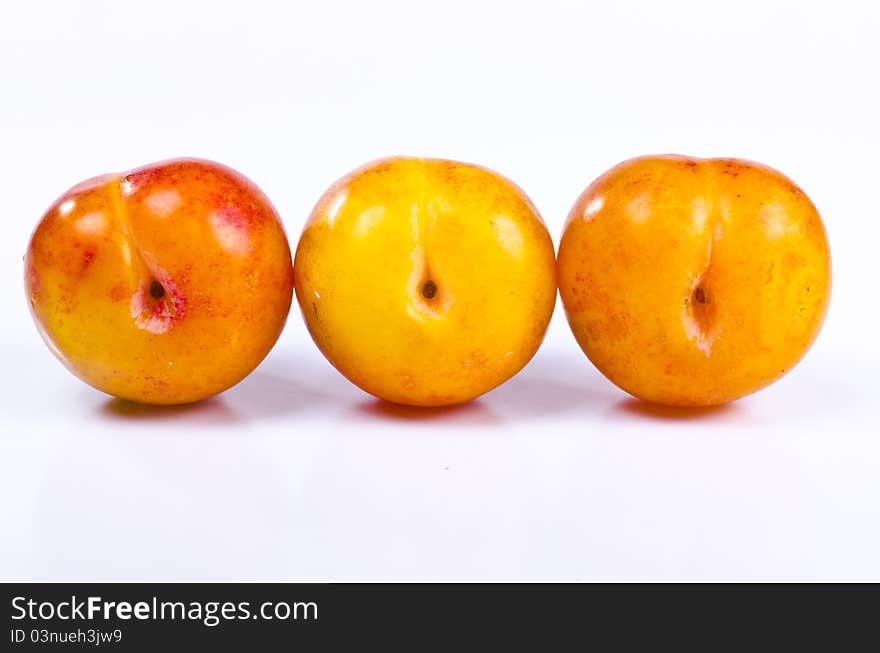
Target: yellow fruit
(426, 282)
(694, 282)
(164, 285)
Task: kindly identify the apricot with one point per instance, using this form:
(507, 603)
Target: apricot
(166, 284)
(694, 282)
(426, 282)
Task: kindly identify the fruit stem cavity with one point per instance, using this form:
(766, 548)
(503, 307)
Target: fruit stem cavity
(157, 290)
(429, 289)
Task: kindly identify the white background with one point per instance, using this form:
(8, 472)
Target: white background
(557, 475)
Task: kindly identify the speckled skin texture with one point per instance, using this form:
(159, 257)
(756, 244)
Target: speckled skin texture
(426, 282)
(166, 284)
(694, 282)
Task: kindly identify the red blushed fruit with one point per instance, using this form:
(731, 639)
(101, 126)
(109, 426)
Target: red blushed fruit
(166, 284)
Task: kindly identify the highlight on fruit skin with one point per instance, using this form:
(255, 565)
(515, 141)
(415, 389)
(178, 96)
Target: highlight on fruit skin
(426, 282)
(694, 282)
(166, 284)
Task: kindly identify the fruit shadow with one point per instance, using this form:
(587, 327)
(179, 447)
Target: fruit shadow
(645, 410)
(554, 383)
(473, 413)
(208, 412)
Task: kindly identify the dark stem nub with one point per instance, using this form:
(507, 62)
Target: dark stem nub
(157, 291)
(429, 289)
(700, 295)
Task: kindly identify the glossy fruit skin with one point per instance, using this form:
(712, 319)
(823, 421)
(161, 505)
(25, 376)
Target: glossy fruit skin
(426, 282)
(694, 282)
(163, 285)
